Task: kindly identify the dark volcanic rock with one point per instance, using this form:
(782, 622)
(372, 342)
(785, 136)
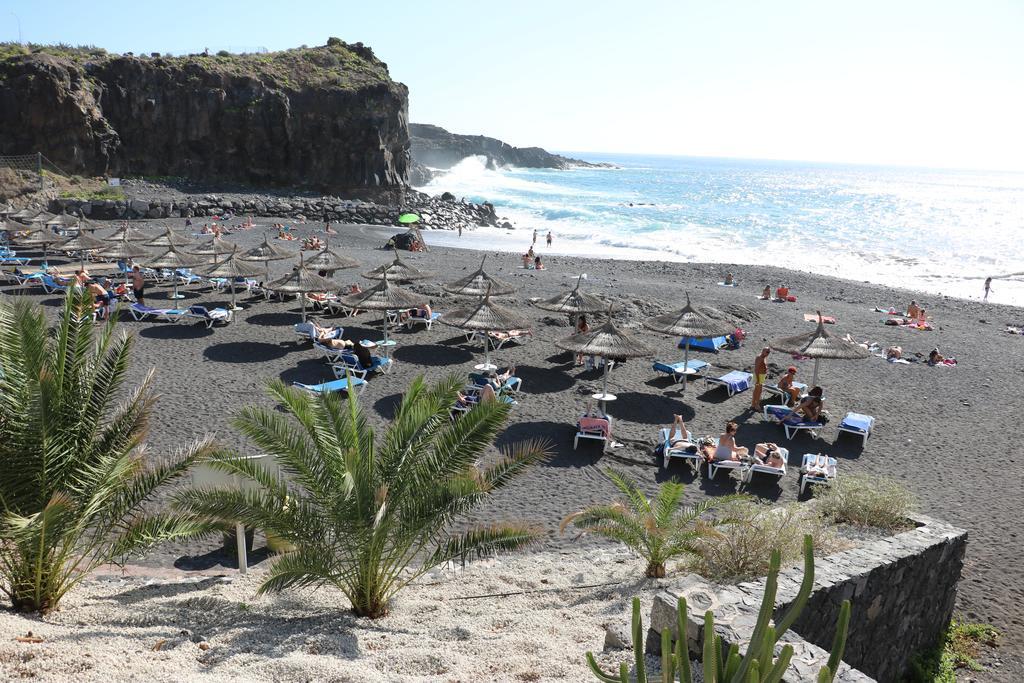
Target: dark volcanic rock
(434, 146)
(328, 118)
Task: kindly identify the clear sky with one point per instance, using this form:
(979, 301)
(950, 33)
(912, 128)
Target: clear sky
(926, 82)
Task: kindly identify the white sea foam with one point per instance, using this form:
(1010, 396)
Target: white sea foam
(940, 232)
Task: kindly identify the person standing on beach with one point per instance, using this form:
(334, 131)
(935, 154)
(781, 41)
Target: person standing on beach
(550, 237)
(988, 287)
(760, 377)
(460, 229)
(139, 285)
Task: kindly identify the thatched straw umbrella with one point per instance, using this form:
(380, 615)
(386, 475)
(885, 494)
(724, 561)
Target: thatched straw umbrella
(265, 252)
(608, 342)
(172, 259)
(169, 239)
(128, 233)
(329, 261)
(397, 271)
(384, 296)
(690, 323)
(230, 268)
(820, 344)
(301, 281)
(41, 237)
(478, 283)
(485, 316)
(574, 302)
(82, 243)
(25, 215)
(64, 220)
(213, 248)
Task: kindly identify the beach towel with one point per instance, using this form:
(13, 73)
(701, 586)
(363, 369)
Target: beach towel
(813, 318)
(595, 424)
(722, 284)
(736, 380)
(857, 422)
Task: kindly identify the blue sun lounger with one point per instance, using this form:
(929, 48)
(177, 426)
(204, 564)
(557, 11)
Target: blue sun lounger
(713, 344)
(776, 413)
(691, 369)
(349, 363)
(734, 381)
(856, 423)
(142, 311)
(346, 385)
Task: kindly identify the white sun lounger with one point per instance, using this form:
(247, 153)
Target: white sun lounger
(715, 465)
(773, 391)
(210, 316)
(141, 312)
(755, 467)
(774, 413)
(817, 469)
(859, 424)
(414, 320)
(691, 457)
(734, 381)
(597, 428)
(691, 370)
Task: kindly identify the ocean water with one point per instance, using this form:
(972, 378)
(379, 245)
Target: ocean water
(940, 231)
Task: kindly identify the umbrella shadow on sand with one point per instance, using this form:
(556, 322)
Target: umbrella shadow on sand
(433, 355)
(543, 380)
(178, 332)
(559, 440)
(387, 406)
(274, 319)
(244, 352)
(307, 371)
(646, 409)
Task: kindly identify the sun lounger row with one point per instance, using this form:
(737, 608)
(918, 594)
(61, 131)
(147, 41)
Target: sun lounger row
(210, 316)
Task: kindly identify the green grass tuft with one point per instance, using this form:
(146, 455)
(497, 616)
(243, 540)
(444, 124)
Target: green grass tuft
(958, 649)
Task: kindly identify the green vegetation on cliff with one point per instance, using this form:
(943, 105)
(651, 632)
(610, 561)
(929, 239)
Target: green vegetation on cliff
(335, 65)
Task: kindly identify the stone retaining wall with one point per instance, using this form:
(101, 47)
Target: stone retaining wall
(902, 590)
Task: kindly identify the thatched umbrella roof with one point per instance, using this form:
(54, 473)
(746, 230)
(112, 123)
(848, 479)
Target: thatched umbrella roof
(128, 233)
(609, 342)
(820, 344)
(169, 239)
(330, 260)
(398, 271)
(266, 251)
(172, 259)
(478, 283)
(606, 341)
(230, 268)
(83, 242)
(485, 316)
(65, 220)
(25, 214)
(39, 238)
(302, 280)
(574, 302)
(123, 250)
(690, 322)
(384, 296)
(215, 247)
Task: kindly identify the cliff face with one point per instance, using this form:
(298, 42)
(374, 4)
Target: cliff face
(435, 147)
(328, 118)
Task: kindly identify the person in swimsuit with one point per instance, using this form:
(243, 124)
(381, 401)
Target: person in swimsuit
(727, 448)
(913, 310)
(760, 377)
(809, 408)
(786, 384)
(677, 433)
(988, 285)
(766, 293)
(768, 454)
(139, 285)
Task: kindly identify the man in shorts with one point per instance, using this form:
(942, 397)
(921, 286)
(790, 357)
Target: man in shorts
(139, 285)
(760, 377)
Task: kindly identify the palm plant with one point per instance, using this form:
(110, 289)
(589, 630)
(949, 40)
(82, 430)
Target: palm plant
(74, 482)
(360, 509)
(658, 530)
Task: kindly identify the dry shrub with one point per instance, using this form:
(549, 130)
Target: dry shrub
(743, 544)
(864, 500)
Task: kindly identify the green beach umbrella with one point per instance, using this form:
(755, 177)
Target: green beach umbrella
(407, 218)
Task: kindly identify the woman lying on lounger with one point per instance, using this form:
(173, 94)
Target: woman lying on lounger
(768, 454)
(677, 433)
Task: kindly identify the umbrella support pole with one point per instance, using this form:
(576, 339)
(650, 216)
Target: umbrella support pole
(234, 306)
(301, 296)
(814, 380)
(686, 364)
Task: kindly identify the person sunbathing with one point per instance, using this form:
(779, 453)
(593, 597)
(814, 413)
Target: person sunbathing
(766, 293)
(678, 433)
(526, 260)
(913, 310)
(786, 384)
(808, 410)
(321, 333)
(727, 448)
(422, 313)
(782, 293)
(894, 353)
(768, 454)
(728, 280)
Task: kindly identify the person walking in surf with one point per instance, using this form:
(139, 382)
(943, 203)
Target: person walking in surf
(988, 287)
(550, 237)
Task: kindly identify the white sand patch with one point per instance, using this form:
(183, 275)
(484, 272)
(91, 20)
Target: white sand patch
(173, 629)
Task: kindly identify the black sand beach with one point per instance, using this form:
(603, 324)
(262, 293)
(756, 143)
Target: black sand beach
(951, 434)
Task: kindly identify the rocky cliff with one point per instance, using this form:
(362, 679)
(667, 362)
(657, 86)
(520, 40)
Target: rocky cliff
(435, 147)
(326, 118)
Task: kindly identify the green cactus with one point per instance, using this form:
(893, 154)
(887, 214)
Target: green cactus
(758, 664)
